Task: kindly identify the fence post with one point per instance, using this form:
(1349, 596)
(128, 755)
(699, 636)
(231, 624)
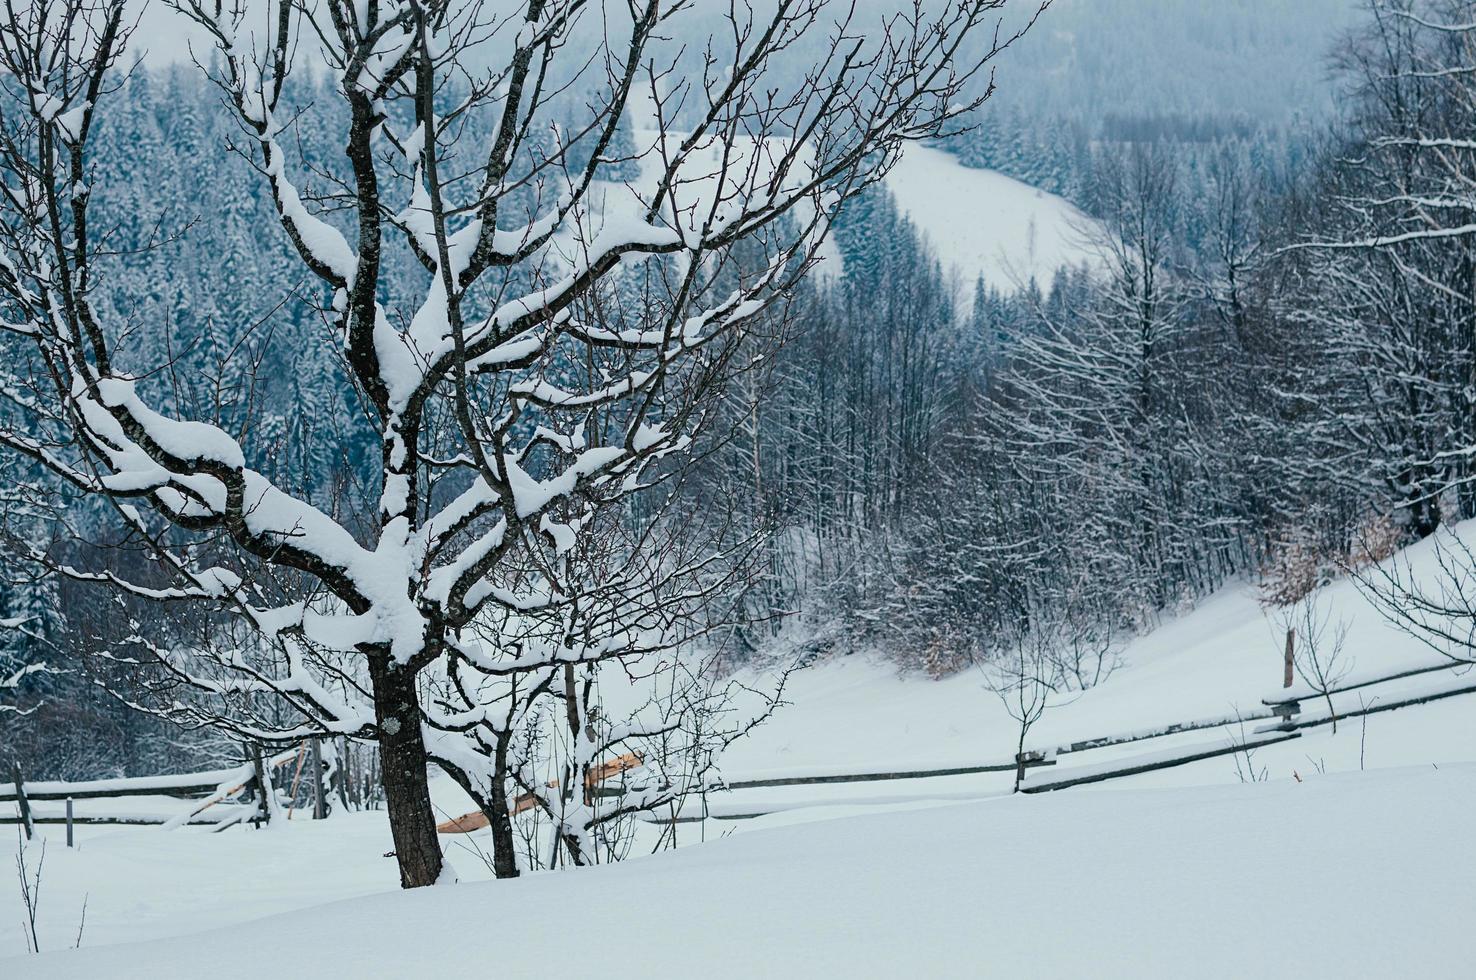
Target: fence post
(69, 821)
(25, 805)
(1291, 640)
(320, 801)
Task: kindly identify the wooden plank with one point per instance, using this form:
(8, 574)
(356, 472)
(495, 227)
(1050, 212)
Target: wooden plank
(1063, 780)
(476, 820)
(617, 765)
(464, 824)
(869, 777)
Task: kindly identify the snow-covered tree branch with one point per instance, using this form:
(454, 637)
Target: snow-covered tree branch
(517, 398)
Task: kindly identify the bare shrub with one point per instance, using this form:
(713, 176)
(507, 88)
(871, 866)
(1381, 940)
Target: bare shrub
(1374, 539)
(1295, 565)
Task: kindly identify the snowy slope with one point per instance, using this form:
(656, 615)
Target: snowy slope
(1220, 658)
(1349, 876)
(984, 223)
(979, 222)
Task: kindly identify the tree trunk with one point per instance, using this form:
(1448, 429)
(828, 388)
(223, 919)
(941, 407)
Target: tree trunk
(504, 847)
(402, 763)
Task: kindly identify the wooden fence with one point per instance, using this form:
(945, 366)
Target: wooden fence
(229, 796)
(223, 797)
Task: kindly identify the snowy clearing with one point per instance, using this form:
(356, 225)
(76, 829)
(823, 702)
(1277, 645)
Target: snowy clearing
(1338, 876)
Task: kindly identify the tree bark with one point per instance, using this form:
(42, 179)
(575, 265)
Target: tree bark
(402, 764)
(504, 853)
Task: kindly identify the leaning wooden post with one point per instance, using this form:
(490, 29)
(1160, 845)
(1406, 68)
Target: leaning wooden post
(25, 804)
(320, 800)
(1291, 641)
(69, 821)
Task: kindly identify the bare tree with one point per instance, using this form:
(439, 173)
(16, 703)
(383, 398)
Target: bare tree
(1436, 606)
(1024, 678)
(613, 669)
(504, 398)
(1318, 641)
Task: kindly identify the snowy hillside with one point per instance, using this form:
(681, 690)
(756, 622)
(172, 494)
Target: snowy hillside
(982, 223)
(978, 222)
(1216, 661)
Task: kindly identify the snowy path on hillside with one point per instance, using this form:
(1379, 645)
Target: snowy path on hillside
(1351, 876)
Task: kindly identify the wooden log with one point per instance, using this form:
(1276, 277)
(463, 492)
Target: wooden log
(476, 820)
(464, 824)
(1291, 640)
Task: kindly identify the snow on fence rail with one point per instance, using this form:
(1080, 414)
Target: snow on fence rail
(180, 784)
(766, 781)
(224, 785)
(1293, 718)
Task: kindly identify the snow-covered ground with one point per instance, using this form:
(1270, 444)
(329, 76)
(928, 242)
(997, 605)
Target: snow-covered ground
(1344, 861)
(1357, 875)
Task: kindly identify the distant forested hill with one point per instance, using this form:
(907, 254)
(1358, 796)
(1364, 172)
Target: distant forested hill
(1263, 60)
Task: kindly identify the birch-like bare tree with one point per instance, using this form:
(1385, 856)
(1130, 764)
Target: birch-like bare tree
(506, 400)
